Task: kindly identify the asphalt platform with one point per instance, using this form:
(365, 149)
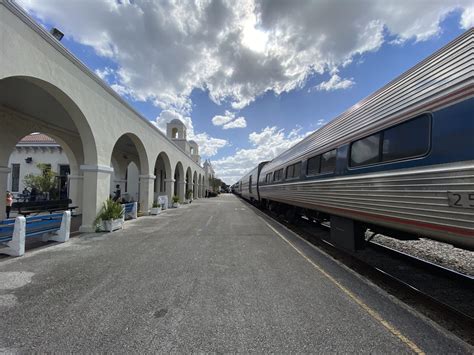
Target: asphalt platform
(212, 276)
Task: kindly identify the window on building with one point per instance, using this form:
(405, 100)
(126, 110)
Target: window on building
(15, 177)
(313, 164)
(366, 151)
(328, 161)
(278, 175)
(409, 139)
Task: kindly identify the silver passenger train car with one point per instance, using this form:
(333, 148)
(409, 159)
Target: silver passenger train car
(400, 160)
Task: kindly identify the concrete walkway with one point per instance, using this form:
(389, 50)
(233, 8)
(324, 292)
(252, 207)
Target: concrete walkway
(211, 277)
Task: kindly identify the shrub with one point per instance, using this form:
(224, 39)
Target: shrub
(175, 199)
(156, 205)
(110, 210)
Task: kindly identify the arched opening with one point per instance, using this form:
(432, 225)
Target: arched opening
(129, 162)
(179, 182)
(200, 186)
(189, 183)
(163, 180)
(174, 133)
(30, 105)
(195, 185)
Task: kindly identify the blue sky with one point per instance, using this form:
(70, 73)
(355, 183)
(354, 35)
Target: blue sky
(251, 80)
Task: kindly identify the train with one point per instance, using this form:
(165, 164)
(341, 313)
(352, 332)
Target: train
(400, 162)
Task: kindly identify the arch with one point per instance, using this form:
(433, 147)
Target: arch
(189, 182)
(29, 104)
(179, 181)
(127, 184)
(195, 184)
(174, 133)
(162, 172)
(200, 186)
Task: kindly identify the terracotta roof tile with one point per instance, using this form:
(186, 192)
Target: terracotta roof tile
(37, 138)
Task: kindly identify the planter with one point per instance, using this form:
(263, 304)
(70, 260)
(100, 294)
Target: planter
(155, 210)
(175, 204)
(112, 225)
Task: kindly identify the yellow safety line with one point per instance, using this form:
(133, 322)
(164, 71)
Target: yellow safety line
(356, 299)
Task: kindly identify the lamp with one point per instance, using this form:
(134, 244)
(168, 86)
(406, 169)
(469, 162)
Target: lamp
(57, 33)
(28, 160)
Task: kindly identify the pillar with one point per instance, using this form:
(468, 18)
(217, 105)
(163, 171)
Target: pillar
(147, 189)
(169, 183)
(181, 191)
(96, 189)
(75, 183)
(4, 171)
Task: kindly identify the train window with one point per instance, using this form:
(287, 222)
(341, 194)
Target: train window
(278, 175)
(268, 178)
(293, 171)
(409, 139)
(328, 161)
(313, 164)
(366, 151)
(250, 184)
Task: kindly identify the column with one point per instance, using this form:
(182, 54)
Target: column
(181, 191)
(147, 188)
(4, 171)
(75, 183)
(96, 190)
(169, 183)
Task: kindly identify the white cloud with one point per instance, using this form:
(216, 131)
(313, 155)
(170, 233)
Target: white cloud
(164, 50)
(335, 83)
(237, 123)
(229, 121)
(208, 146)
(266, 144)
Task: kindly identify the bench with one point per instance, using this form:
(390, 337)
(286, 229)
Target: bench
(13, 232)
(130, 210)
(29, 207)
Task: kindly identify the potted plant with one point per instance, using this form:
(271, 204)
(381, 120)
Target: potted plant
(175, 201)
(110, 217)
(189, 196)
(155, 209)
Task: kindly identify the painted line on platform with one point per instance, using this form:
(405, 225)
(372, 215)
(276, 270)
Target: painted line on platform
(374, 314)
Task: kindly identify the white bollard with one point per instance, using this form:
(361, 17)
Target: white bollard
(16, 247)
(64, 231)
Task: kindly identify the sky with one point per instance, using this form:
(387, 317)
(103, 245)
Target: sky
(250, 78)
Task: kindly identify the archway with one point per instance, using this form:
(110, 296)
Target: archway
(200, 186)
(128, 180)
(195, 185)
(163, 181)
(189, 183)
(179, 182)
(30, 105)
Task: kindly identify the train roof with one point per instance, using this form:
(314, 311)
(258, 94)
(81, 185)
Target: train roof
(441, 79)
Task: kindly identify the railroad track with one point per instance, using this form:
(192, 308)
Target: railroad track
(448, 313)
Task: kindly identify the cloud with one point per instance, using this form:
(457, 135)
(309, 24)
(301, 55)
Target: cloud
(335, 83)
(237, 123)
(163, 50)
(229, 121)
(266, 145)
(208, 146)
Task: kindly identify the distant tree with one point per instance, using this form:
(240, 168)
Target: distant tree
(45, 182)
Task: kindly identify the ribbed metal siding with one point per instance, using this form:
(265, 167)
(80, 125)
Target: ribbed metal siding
(245, 184)
(448, 71)
(414, 194)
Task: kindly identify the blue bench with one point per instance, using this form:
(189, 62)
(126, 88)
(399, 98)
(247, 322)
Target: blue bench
(13, 233)
(130, 210)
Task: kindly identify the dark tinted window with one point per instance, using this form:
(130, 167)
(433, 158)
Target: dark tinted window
(268, 178)
(15, 177)
(406, 140)
(312, 166)
(365, 151)
(289, 171)
(250, 184)
(328, 161)
(293, 171)
(278, 175)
